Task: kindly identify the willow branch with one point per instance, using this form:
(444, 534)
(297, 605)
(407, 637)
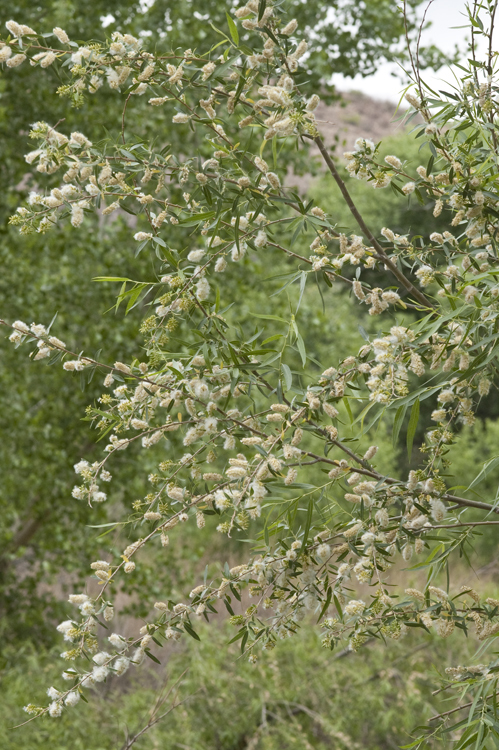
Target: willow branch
(391, 266)
(391, 480)
(453, 710)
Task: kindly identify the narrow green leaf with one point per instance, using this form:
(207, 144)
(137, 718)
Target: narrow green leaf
(480, 737)
(151, 656)
(243, 642)
(235, 592)
(486, 469)
(326, 603)
(337, 605)
(308, 522)
(271, 338)
(218, 31)
(233, 29)
(303, 282)
(238, 636)
(288, 376)
(413, 423)
(191, 631)
(269, 317)
(397, 423)
(128, 154)
(347, 406)
(111, 278)
(301, 348)
(133, 298)
(363, 333)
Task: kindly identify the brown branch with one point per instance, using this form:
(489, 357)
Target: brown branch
(419, 296)
(453, 710)
(391, 480)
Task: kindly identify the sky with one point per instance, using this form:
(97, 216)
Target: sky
(444, 15)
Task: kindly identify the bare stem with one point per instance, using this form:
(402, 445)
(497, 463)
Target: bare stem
(390, 265)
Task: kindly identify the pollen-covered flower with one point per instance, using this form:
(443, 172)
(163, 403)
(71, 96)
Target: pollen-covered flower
(61, 35)
(5, 53)
(117, 641)
(439, 594)
(323, 552)
(439, 415)
(208, 69)
(355, 607)
(408, 188)
(14, 62)
(290, 27)
(413, 100)
(72, 698)
(99, 674)
(55, 709)
(393, 161)
(274, 180)
(438, 509)
(19, 30)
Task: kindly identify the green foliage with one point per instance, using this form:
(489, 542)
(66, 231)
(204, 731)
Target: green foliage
(296, 696)
(276, 342)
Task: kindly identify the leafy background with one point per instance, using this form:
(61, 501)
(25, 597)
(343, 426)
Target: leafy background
(300, 695)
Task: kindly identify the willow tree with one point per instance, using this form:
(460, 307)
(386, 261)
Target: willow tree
(259, 438)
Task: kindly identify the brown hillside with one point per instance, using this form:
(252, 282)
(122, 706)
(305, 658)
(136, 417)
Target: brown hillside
(355, 116)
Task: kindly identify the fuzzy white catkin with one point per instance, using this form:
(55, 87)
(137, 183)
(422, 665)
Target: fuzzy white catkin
(48, 59)
(61, 35)
(72, 698)
(290, 28)
(14, 62)
(55, 709)
(5, 53)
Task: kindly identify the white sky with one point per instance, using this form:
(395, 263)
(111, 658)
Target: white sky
(444, 15)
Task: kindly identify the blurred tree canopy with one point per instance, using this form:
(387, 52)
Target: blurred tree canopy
(349, 38)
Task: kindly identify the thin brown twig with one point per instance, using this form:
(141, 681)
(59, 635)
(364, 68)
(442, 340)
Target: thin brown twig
(389, 264)
(453, 710)
(153, 717)
(391, 480)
